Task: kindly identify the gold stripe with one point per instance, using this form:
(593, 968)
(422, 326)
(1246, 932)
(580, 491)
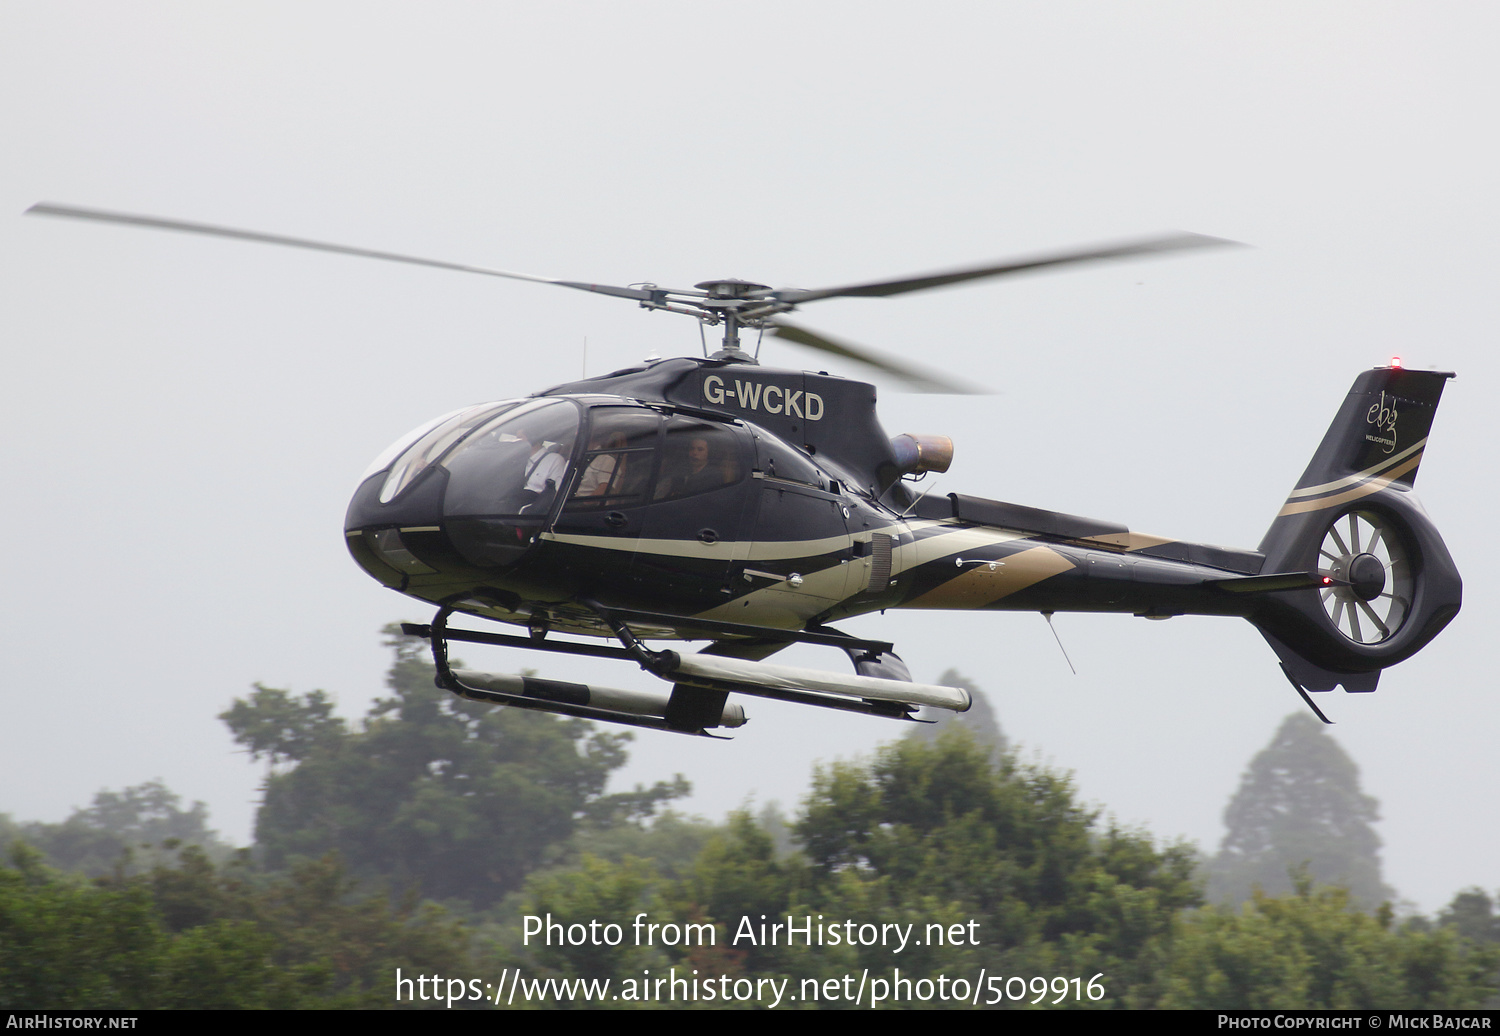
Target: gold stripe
(979, 586)
(907, 556)
(1358, 476)
(1375, 485)
(782, 606)
(1127, 540)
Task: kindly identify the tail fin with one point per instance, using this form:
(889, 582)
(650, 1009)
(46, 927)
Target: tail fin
(1353, 515)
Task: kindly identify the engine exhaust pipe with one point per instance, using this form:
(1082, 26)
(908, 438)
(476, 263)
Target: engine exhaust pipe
(918, 453)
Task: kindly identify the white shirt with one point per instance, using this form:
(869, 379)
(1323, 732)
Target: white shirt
(543, 466)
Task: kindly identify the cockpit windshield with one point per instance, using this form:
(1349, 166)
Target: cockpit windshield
(514, 465)
(432, 440)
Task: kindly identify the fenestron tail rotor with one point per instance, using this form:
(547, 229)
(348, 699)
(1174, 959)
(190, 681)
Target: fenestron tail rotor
(731, 303)
(1364, 551)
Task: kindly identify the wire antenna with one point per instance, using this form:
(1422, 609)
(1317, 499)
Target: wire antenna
(1048, 617)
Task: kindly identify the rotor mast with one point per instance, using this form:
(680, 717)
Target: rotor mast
(725, 303)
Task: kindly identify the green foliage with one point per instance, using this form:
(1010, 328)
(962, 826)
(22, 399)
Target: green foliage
(1309, 950)
(64, 943)
(945, 834)
(120, 830)
(669, 842)
(939, 826)
(194, 935)
(1472, 915)
(597, 891)
(926, 834)
(1300, 805)
(283, 728)
(456, 799)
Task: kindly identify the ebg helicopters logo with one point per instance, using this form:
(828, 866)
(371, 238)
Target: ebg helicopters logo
(1383, 416)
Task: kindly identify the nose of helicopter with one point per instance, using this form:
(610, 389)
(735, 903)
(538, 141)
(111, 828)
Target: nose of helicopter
(399, 541)
(466, 500)
(411, 546)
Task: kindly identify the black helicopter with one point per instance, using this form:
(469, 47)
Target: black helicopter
(715, 499)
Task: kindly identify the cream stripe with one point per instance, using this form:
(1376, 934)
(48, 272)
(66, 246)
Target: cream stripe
(760, 550)
(1358, 476)
(1375, 485)
(913, 555)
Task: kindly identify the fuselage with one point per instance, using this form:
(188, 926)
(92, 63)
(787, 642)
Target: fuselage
(763, 498)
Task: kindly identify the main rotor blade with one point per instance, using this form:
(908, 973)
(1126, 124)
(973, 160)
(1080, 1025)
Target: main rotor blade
(157, 223)
(920, 380)
(1145, 246)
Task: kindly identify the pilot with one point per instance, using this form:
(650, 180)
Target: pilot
(545, 468)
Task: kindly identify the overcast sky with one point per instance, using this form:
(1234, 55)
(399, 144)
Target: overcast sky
(186, 418)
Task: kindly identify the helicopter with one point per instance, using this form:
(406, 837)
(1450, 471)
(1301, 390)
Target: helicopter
(714, 499)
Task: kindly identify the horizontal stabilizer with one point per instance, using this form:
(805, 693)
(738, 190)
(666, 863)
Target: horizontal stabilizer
(1276, 582)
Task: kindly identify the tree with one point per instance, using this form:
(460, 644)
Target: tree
(1472, 915)
(979, 720)
(193, 935)
(124, 829)
(942, 833)
(284, 728)
(1300, 805)
(457, 799)
(944, 829)
(1309, 950)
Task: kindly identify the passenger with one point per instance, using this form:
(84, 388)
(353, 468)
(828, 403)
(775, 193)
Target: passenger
(698, 475)
(604, 469)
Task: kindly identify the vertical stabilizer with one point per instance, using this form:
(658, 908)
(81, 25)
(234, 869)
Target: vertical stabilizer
(1353, 516)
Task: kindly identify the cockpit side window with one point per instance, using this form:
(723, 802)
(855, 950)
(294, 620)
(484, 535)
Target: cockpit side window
(779, 461)
(617, 470)
(697, 457)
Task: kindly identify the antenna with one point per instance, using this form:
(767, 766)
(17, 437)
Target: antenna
(1048, 617)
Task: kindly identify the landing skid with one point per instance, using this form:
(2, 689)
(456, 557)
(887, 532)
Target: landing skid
(701, 683)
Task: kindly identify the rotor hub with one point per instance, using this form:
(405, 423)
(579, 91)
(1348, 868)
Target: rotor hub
(1366, 576)
(732, 288)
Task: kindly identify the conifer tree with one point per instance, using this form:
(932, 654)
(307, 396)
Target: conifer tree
(1299, 805)
(979, 720)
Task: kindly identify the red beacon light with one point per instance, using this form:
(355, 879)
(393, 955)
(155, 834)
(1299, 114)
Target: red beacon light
(1396, 362)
